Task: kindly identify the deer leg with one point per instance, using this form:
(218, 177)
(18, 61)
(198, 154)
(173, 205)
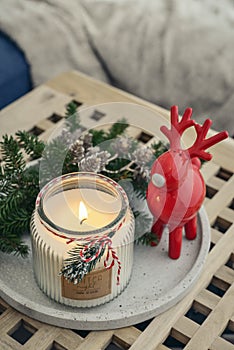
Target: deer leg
(175, 242)
(157, 229)
(191, 228)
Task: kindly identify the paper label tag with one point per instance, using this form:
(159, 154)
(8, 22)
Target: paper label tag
(94, 285)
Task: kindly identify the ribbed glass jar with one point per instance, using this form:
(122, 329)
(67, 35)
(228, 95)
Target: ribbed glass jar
(56, 229)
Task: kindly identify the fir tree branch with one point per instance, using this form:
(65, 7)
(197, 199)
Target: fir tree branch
(31, 144)
(116, 129)
(159, 148)
(74, 268)
(147, 239)
(11, 155)
(72, 117)
(98, 136)
(13, 244)
(71, 109)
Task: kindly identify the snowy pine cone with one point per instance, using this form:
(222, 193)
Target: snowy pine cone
(95, 162)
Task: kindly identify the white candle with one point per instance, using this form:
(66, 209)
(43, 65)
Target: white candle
(57, 227)
(63, 209)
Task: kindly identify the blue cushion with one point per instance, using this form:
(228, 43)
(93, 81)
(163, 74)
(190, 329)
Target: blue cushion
(15, 78)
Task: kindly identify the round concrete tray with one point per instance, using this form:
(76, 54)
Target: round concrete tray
(157, 283)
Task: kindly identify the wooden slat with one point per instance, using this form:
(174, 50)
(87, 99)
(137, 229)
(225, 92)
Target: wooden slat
(2, 302)
(221, 344)
(93, 92)
(209, 169)
(223, 198)
(207, 334)
(215, 182)
(215, 236)
(45, 124)
(31, 109)
(42, 339)
(8, 343)
(9, 320)
(186, 329)
(161, 347)
(126, 336)
(226, 274)
(206, 301)
(96, 340)
(68, 339)
(227, 214)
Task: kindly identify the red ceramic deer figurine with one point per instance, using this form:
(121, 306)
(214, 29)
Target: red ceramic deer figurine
(177, 189)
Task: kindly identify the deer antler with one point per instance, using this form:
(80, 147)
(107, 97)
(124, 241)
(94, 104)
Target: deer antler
(201, 144)
(177, 128)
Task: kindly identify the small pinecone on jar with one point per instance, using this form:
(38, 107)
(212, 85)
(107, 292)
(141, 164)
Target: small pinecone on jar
(77, 149)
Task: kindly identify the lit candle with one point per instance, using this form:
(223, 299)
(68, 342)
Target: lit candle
(64, 207)
(83, 214)
(80, 208)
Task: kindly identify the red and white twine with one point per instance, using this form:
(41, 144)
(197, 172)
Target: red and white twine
(103, 241)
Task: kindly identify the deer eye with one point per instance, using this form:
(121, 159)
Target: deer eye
(158, 180)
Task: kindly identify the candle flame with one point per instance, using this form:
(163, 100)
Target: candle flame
(83, 214)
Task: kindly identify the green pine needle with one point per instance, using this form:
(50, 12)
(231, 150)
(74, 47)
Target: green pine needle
(13, 244)
(72, 117)
(116, 129)
(159, 148)
(98, 136)
(147, 239)
(71, 109)
(12, 156)
(31, 144)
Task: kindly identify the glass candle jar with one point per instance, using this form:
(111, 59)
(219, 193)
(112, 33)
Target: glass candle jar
(78, 216)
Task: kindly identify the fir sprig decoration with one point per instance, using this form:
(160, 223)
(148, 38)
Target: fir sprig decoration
(31, 144)
(148, 238)
(12, 157)
(74, 268)
(116, 129)
(72, 117)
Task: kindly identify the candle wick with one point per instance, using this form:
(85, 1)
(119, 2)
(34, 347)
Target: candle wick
(81, 222)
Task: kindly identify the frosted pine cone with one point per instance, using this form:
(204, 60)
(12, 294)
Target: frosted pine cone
(87, 141)
(142, 155)
(93, 151)
(91, 163)
(77, 150)
(95, 162)
(104, 156)
(122, 145)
